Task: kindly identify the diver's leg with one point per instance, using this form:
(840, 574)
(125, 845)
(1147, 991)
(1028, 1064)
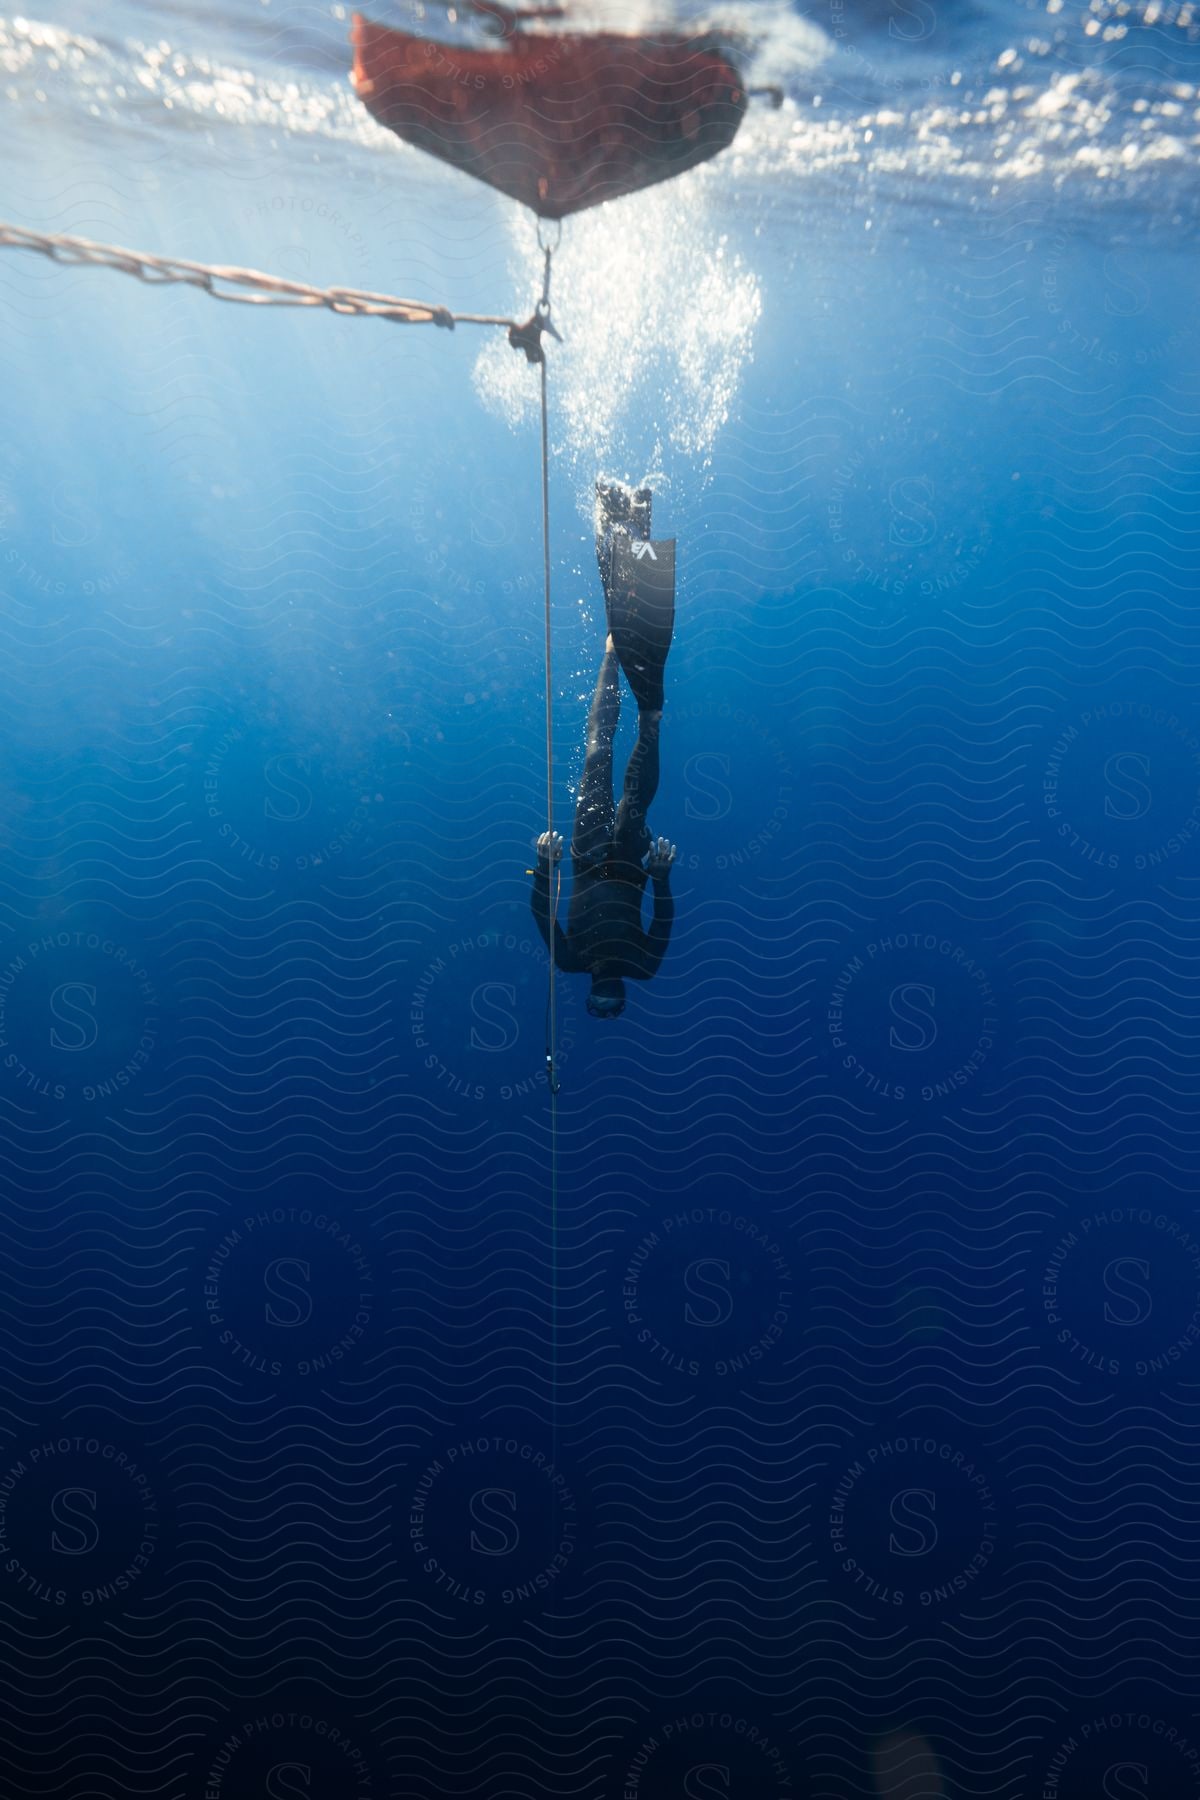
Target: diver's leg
(632, 834)
(639, 600)
(594, 808)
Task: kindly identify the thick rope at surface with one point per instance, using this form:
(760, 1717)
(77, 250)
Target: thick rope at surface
(271, 290)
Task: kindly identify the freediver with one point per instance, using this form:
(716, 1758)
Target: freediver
(612, 852)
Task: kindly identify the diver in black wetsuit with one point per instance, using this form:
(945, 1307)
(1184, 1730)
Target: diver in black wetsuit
(605, 937)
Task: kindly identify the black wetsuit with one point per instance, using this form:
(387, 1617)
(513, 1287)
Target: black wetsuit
(605, 936)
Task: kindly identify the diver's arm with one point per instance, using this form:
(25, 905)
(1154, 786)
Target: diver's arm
(549, 853)
(662, 855)
(659, 933)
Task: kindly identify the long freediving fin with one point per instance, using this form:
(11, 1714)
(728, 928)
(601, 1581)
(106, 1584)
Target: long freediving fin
(641, 612)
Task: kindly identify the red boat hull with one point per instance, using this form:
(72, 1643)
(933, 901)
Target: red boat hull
(559, 123)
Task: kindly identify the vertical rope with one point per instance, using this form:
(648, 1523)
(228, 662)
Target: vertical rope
(528, 339)
(552, 997)
(552, 1004)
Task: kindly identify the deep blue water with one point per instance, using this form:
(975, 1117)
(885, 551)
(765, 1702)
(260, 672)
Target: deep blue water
(831, 1427)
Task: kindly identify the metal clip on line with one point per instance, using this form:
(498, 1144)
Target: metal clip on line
(528, 337)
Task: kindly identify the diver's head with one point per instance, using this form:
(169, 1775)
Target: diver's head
(607, 998)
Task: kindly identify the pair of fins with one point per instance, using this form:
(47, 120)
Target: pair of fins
(638, 573)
